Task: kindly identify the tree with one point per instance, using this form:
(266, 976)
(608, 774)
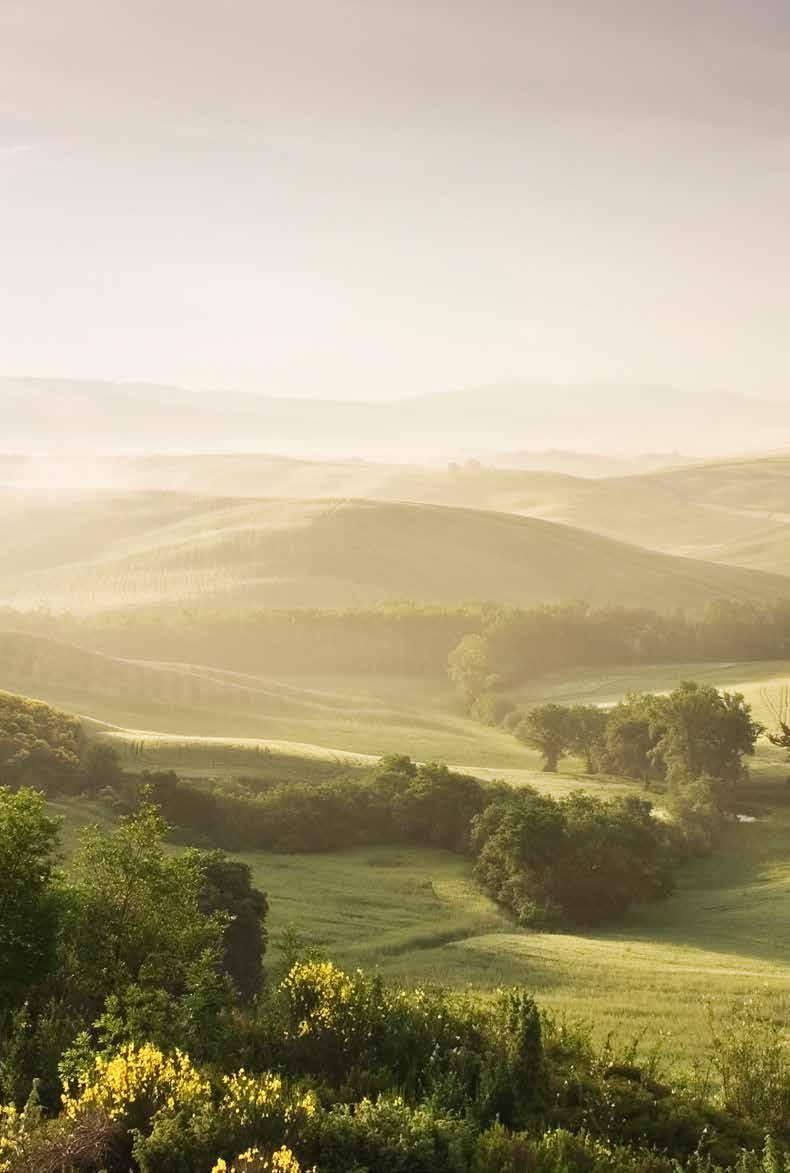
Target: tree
(702, 731)
(631, 738)
(27, 897)
(227, 889)
(136, 915)
(614, 854)
(547, 729)
(517, 839)
(101, 765)
(587, 733)
(468, 666)
(438, 806)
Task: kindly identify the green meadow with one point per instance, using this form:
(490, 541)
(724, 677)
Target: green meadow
(415, 914)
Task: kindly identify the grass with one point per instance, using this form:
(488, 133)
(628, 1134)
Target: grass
(416, 915)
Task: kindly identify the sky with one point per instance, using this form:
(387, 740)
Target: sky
(368, 199)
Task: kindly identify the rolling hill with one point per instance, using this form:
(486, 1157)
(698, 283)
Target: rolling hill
(343, 715)
(90, 551)
(734, 512)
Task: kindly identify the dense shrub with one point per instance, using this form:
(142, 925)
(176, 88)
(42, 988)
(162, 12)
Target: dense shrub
(576, 860)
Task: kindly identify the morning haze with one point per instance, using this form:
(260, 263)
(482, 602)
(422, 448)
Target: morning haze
(343, 200)
(394, 588)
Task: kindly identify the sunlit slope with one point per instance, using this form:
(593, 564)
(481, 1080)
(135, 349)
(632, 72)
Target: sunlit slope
(186, 713)
(139, 548)
(737, 512)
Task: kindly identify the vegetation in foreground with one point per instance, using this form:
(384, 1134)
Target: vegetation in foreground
(131, 1043)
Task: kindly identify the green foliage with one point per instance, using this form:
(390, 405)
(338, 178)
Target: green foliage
(548, 729)
(587, 734)
(573, 861)
(517, 841)
(511, 645)
(355, 1075)
(469, 668)
(395, 801)
(27, 896)
(39, 746)
(631, 738)
(140, 944)
(694, 732)
(702, 731)
(749, 1054)
(227, 889)
(136, 913)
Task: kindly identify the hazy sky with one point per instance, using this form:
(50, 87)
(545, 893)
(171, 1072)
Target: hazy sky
(376, 198)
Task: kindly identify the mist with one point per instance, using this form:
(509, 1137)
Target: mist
(345, 201)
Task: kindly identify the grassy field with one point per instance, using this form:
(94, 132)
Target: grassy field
(427, 723)
(416, 915)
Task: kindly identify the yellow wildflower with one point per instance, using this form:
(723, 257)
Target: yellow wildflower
(137, 1075)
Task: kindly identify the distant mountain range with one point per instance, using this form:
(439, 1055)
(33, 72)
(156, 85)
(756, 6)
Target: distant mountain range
(61, 414)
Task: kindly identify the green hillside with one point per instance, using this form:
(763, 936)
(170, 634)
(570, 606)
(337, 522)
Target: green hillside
(193, 705)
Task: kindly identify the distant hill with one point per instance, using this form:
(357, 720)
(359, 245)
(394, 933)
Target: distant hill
(60, 414)
(736, 512)
(88, 551)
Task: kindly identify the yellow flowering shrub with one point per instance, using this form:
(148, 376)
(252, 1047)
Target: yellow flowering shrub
(137, 1078)
(320, 995)
(249, 1098)
(254, 1161)
(12, 1128)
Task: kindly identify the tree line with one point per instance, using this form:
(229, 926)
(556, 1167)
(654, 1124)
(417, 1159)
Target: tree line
(488, 647)
(695, 731)
(513, 646)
